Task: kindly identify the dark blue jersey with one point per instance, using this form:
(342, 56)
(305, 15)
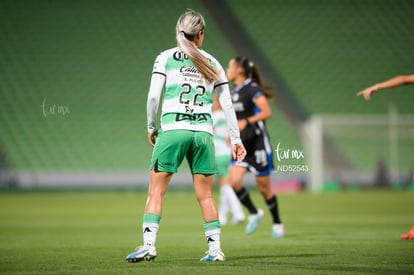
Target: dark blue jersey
(243, 99)
(259, 158)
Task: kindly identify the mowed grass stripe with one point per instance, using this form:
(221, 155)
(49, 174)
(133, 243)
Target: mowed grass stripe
(91, 232)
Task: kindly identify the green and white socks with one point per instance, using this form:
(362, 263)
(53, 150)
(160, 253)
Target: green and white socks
(150, 225)
(212, 232)
(229, 203)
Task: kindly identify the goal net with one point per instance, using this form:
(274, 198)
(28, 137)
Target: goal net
(379, 149)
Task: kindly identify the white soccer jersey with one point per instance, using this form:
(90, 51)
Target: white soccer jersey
(187, 96)
(221, 133)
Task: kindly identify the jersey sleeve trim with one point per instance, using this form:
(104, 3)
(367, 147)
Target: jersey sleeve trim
(257, 94)
(220, 84)
(163, 74)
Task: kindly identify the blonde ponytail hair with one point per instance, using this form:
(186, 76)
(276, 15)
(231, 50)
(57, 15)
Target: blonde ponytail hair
(188, 26)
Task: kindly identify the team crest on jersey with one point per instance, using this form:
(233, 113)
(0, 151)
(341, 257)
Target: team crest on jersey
(180, 56)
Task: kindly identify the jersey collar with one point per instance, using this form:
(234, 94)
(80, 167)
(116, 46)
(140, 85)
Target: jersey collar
(245, 82)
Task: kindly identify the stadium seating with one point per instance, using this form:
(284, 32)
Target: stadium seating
(74, 74)
(74, 79)
(327, 51)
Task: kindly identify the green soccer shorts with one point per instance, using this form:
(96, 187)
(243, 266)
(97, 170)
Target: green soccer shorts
(223, 165)
(171, 147)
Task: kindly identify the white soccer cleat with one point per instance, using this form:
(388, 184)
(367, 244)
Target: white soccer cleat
(213, 256)
(278, 230)
(253, 221)
(142, 253)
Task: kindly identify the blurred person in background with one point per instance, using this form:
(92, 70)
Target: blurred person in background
(228, 202)
(391, 83)
(250, 100)
(183, 79)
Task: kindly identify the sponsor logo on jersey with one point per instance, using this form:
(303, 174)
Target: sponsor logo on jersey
(190, 71)
(238, 106)
(191, 117)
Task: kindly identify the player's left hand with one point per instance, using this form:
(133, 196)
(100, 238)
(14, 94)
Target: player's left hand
(152, 137)
(239, 152)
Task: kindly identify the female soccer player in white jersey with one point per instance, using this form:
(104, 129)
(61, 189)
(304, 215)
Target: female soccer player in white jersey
(252, 110)
(185, 77)
(228, 201)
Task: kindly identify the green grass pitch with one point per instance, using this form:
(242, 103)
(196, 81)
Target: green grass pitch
(91, 232)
